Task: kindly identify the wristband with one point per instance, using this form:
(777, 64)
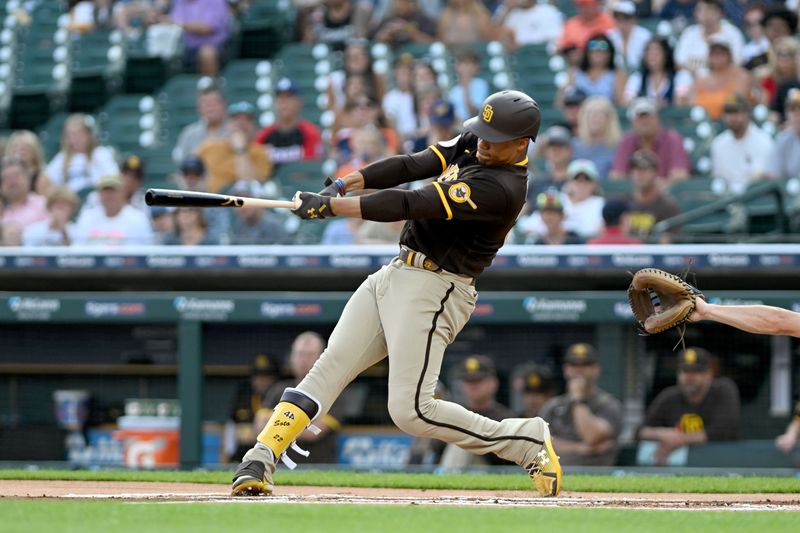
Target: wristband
(340, 185)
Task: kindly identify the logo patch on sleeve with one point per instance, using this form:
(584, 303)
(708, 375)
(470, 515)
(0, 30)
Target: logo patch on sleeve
(450, 173)
(460, 194)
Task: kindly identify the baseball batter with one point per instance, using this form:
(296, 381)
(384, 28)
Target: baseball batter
(413, 308)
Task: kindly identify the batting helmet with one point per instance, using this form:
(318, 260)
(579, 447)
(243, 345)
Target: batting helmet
(505, 116)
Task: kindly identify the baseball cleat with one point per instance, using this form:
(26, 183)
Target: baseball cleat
(545, 470)
(250, 479)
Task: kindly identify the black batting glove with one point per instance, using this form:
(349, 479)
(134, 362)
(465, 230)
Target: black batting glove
(313, 206)
(333, 188)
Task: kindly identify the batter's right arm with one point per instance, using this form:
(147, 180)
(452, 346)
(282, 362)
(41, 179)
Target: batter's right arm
(761, 319)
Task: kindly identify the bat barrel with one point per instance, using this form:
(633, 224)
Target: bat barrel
(176, 198)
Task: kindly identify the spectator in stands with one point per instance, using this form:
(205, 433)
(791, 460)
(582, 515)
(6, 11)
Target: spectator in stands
(658, 79)
(478, 381)
(573, 99)
(86, 15)
(341, 231)
(191, 228)
(785, 159)
(779, 22)
(364, 111)
(598, 134)
(755, 51)
(21, 206)
(193, 177)
(740, 154)
(650, 203)
(787, 440)
(616, 224)
(237, 156)
(557, 150)
(81, 161)
(781, 67)
(206, 26)
(357, 63)
(585, 421)
(253, 225)
(583, 204)
(464, 22)
(290, 137)
(57, 229)
(367, 145)
(723, 79)
(597, 74)
(699, 409)
(212, 124)
(128, 13)
(470, 90)
(679, 12)
(333, 22)
(693, 48)
(247, 400)
(163, 223)
(628, 37)
(406, 23)
(425, 99)
(536, 387)
(442, 127)
(648, 133)
(306, 349)
(371, 232)
(25, 145)
(425, 76)
(398, 103)
(546, 224)
(529, 22)
(113, 222)
(132, 173)
(590, 20)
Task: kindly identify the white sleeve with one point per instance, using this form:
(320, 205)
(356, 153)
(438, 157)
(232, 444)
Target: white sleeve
(682, 48)
(632, 86)
(762, 163)
(144, 233)
(103, 163)
(682, 82)
(55, 167)
(555, 24)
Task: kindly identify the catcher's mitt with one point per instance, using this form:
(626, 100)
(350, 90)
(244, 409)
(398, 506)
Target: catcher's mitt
(661, 300)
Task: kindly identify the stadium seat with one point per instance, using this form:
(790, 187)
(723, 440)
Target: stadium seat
(617, 188)
(299, 175)
(50, 135)
(266, 27)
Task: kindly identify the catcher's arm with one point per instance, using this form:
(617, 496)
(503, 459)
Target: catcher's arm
(761, 319)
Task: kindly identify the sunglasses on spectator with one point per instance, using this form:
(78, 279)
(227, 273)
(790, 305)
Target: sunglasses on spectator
(598, 45)
(623, 16)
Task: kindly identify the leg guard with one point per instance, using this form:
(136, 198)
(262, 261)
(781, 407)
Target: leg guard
(293, 415)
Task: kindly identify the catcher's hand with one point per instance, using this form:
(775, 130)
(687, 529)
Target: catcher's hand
(661, 300)
(312, 206)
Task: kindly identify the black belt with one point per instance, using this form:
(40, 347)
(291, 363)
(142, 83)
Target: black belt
(417, 259)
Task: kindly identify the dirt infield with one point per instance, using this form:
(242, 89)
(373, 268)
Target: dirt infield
(198, 493)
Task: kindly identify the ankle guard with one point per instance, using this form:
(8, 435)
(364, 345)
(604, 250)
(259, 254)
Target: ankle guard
(293, 415)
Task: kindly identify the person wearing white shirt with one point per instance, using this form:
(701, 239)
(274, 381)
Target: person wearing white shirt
(740, 155)
(57, 229)
(530, 21)
(691, 52)
(629, 38)
(398, 104)
(81, 161)
(583, 208)
(113, 222)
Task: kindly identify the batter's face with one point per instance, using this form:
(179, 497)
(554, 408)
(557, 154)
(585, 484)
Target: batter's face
(503, 153)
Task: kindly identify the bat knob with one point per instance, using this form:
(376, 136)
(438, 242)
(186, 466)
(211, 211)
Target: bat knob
(149, 197)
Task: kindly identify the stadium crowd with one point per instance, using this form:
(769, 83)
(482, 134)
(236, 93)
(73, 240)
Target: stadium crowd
(726, 58)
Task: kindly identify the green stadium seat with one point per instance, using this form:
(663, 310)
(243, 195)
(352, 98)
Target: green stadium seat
(239, 80)
(694, 188)
(266, 27)
(617, 188)
(299, 176)
(50, 134)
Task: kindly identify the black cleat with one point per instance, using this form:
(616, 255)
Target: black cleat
(251, 479)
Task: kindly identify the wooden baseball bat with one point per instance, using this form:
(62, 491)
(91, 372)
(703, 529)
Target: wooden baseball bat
(178, 198)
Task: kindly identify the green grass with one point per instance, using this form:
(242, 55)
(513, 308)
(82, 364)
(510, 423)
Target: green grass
(120, 517)
(578, 483)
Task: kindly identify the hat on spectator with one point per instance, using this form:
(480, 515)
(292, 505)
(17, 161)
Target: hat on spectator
(193, 165)
(793, 98)
(719, 40)
(558, 135)
(134, 165)
(694, 359)
(780, 12)
(582, 167)
(110, 181)
(476, 367)
(538, 379)
(643, 159)
(613, 210)
(581, 354)
(642, 106)
(286, 86)
(263, 366)
(549, 201)
(736, 103)
(626, 7)
(242, 108)
(442, 113)
(574, 96)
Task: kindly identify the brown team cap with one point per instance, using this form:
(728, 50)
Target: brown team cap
(538, 380)
(581, 354)
(694, 359)
(263, 366)
(477, 367)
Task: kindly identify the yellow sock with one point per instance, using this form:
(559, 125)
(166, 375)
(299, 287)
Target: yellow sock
(284, 426)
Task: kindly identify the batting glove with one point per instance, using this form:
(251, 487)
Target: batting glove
(313, 206)
(333, 187)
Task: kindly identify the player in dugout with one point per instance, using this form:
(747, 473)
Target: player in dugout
(413, 308)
